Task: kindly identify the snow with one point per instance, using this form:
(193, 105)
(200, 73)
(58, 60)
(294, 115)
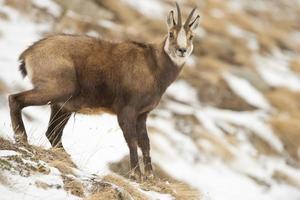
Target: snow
(25, 187)
(274, 69)
(237, 32)
(246, 91)
(150, 8)
(151, 195)
(49, 5)
(4, 153)
(95, 141)
(253, 120)
(182, 91)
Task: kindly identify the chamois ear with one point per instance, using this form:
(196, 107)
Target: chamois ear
(194, 24)
(170, 20)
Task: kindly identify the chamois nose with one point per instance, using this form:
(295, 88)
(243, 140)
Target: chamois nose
(182, 50)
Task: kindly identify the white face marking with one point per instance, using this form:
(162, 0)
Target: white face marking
(182, 43)
(181, 38)
(178, 60)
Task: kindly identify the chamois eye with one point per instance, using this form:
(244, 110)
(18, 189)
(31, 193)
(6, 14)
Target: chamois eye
(191, 37)
(171, 35)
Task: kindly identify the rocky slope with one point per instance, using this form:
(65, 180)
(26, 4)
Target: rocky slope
(229, 127)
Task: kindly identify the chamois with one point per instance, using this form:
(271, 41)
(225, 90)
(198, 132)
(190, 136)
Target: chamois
(82, 74)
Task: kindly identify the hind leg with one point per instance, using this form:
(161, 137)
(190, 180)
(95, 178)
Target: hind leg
(32, 97)
(58, 120)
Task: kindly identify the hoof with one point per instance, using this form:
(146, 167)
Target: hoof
(148, 176)
(136, 175)
(21, 139)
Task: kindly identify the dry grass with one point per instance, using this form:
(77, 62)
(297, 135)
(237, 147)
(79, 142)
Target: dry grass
(3, 180)
(219, 148)
(7, 145)
(63, 167)
(295, 65)
(262, 146)
(176, 189)
(284, 100)
(281, 176)
(53, 155)
(73, 186)
(3, 16)
(107, 193)
(213, 90)
(162, 183)
(288, 130)
(125, 185)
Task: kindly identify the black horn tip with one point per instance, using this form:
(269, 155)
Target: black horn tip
(178, 14)
(191, 24)
(187, 22)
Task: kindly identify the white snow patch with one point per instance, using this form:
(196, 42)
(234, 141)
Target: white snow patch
(94, 141)
(49, 5)
(4, 153)
(253, 120)
(156, 196)
(275, 71)
(25, 188)
(182, 91)
(237, 32)
(150, 8)
(246, 91)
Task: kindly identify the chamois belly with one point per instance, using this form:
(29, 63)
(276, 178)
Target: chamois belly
(94, 111)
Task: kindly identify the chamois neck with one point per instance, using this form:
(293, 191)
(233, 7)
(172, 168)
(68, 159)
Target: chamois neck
(167, 71)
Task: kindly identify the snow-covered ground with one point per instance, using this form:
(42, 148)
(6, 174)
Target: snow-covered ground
(95, 141)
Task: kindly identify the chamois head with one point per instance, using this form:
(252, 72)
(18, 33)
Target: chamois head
(179, 42)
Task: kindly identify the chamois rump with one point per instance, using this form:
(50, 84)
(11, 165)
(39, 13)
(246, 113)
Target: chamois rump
(81, 74)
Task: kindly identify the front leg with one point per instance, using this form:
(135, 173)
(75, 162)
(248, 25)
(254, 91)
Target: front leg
(143, 142)
(127, 121)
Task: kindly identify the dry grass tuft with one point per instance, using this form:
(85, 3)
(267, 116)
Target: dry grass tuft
(213, 90)
(162, 183)
(7, 145)
(107, 193)
(73, 186)
(262, 146)
(125, 185)
(63, 167)
(284, 100)
(288, 130)
(53, 155)
(177, 189)
(281, 176)
(295, 65)
(3, 180)
(219, 148)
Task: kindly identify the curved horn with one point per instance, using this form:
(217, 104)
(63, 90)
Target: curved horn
(179, 23)
(173, 20)
(189, 17)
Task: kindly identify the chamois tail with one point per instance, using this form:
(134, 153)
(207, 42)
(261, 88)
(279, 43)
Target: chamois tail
(22, 68)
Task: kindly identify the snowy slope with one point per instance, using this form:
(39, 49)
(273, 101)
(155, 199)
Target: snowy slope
(214, 153)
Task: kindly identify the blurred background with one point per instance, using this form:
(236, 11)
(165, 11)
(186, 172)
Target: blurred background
(229, 127)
